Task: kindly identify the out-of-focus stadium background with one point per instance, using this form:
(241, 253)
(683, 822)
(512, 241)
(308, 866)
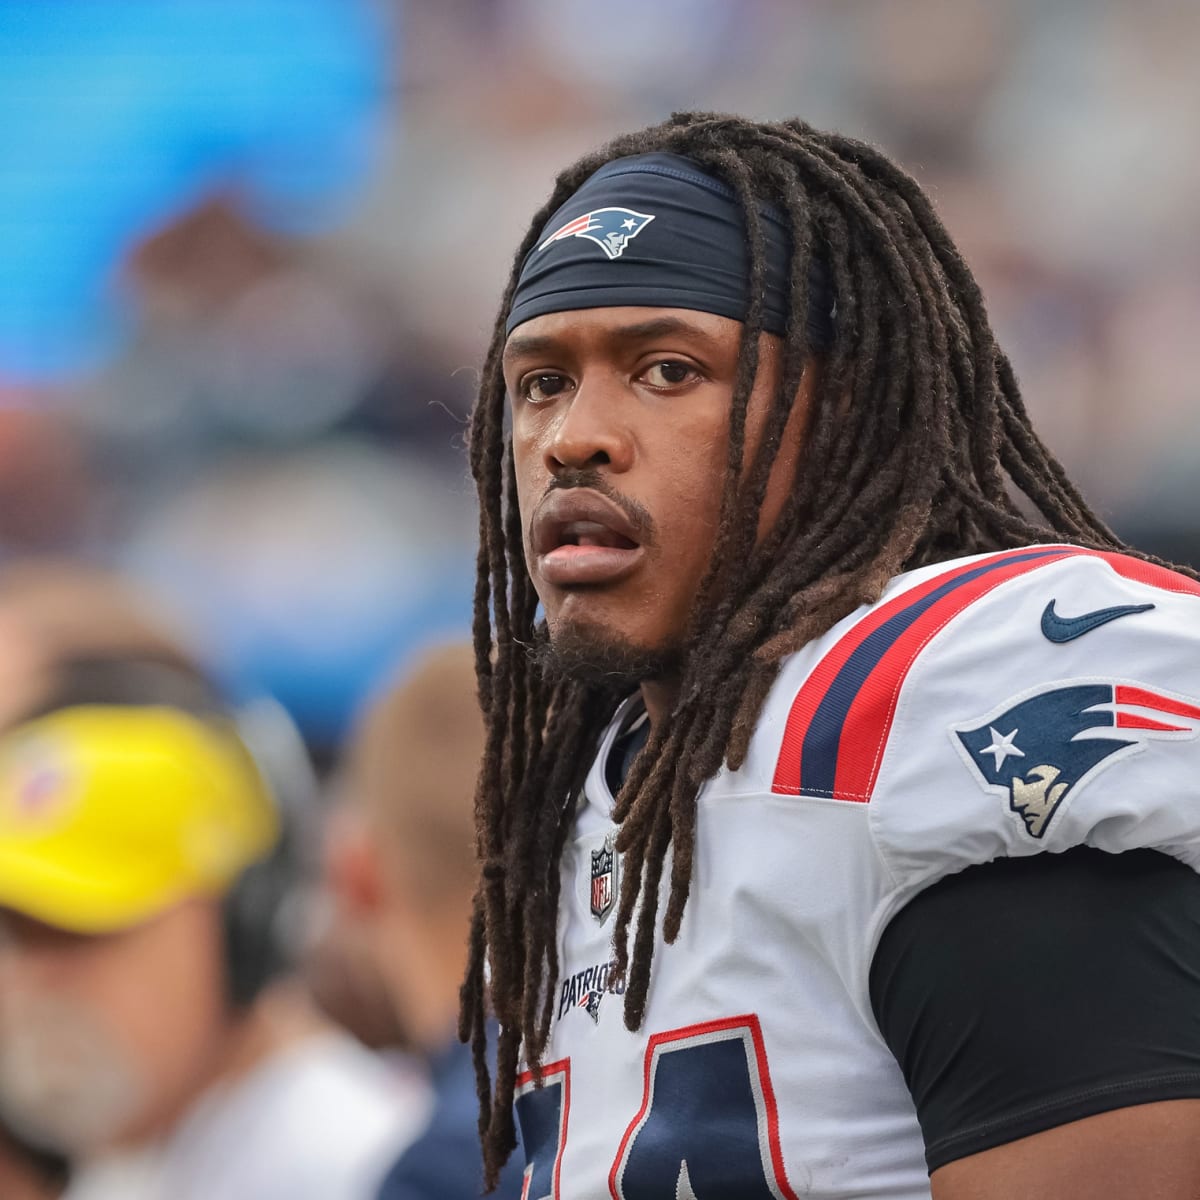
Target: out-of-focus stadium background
(250, 254)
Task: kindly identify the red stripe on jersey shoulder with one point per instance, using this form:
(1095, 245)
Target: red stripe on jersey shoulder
(839, 722)
(812, 740)
(1149, 573)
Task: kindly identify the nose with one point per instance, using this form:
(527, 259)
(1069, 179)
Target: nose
(591, 431)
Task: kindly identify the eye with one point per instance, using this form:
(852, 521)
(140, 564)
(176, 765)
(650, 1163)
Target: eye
(669, 374)
(539, 388)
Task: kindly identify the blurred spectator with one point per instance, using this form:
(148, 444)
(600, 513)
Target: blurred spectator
(121, 116)
(344, 979)
(150, 1029)
(402, 864)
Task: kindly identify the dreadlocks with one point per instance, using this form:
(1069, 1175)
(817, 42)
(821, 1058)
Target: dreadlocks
(916, 433)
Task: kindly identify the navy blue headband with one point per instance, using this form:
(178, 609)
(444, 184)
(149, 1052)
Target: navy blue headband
(658, 230)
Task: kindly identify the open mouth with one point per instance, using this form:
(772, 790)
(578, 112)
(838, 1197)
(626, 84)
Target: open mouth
(581, 538)
(592, 534)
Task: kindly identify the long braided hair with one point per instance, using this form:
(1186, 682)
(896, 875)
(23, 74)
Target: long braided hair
(917, 440)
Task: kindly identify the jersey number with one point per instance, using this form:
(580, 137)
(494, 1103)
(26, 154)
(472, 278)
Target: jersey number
(707, 1130)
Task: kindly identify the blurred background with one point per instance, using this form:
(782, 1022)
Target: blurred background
(251, 253)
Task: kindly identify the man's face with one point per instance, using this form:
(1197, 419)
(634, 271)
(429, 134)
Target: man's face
(620, 421)
(104, 1040)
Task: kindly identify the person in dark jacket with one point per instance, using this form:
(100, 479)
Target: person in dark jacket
(402, 866)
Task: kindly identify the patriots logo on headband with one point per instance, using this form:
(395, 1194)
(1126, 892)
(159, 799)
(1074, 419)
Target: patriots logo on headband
(1037, 749)
(612, 229)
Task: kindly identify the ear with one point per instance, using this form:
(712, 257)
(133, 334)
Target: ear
(352, 868)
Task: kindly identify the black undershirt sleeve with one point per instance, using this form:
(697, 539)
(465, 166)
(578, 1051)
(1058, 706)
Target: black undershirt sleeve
(1029, 992)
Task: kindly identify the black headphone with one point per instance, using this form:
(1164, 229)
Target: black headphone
(264, 909)
(261, 910)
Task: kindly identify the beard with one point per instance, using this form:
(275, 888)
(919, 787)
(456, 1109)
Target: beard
(65, 1083)
(591, 654)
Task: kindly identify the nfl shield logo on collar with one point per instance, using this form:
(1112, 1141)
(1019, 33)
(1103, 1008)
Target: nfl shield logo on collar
(604, 878)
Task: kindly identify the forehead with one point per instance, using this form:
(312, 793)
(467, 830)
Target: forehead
(621, 327)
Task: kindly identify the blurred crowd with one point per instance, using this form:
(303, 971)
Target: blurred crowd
(216, 983)
(251, 256)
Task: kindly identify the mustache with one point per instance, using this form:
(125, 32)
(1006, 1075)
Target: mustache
(582, 477)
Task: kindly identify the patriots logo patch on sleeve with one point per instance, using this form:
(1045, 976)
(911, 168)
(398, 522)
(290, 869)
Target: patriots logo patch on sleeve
(612, 229)
(1036, 750)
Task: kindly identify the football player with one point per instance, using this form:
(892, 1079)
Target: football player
(840, 813)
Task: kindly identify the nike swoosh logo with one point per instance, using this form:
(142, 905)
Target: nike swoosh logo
(1066, 629)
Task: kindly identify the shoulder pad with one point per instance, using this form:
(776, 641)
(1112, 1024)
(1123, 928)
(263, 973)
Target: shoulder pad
(980, 709)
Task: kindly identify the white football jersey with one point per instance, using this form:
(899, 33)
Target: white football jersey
(1006, 704)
